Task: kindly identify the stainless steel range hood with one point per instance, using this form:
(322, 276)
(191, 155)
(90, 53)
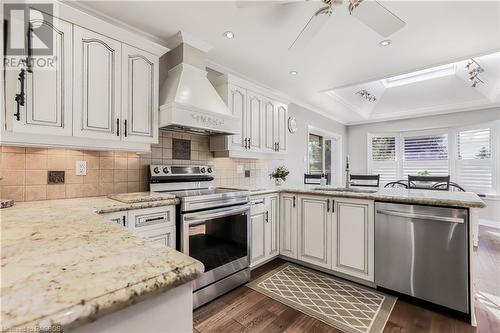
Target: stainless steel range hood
(188, 101)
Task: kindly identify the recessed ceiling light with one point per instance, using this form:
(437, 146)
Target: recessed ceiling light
(293, 73)
(229, 34)
(386, 42)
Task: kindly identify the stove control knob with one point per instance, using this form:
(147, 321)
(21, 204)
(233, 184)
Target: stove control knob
(209, 170)
(202, 170)
(156, 170)
(165, 170)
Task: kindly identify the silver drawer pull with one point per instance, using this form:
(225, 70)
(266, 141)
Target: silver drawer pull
(421, 216)
(151, 221)
(258, 202)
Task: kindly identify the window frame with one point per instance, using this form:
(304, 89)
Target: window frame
(340, 153)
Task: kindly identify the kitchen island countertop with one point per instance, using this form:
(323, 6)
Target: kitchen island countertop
(64, 265)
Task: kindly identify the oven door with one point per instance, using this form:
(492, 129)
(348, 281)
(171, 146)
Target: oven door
(219, 239)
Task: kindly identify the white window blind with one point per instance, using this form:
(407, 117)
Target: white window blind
(426, 154)
(474, 164)
(383, 159)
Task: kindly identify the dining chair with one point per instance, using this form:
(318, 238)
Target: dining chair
(428, 182)
(365, 180)
(397, 184)
(454, 187)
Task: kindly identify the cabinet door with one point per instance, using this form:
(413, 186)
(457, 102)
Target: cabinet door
(238, 105)
(258, 248)
(139, 95)
(165, 237)
(314, 236)
(272, 226)
(269, 136)
(48, 93)
(353, 250)
(288, 226)
(282, 115)
(97, 85)
(254, 120)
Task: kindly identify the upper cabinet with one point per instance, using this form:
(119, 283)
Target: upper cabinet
(263, 121)
(100, 92)
(38, 100)
(139, 95)
(97, 69)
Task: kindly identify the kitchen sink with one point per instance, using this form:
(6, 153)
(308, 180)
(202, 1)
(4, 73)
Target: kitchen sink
(344, 189)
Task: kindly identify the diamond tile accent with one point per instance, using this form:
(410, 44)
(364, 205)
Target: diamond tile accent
(343, 305)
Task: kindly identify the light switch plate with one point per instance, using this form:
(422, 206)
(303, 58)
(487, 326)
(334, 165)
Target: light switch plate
(81, 168)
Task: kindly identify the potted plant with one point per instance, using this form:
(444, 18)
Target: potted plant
(279, 175)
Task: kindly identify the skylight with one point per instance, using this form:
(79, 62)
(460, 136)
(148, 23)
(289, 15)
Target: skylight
(418, 76)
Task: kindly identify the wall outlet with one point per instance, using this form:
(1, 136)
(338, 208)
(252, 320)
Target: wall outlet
(81, 168)
(247, 173)
(239, 169)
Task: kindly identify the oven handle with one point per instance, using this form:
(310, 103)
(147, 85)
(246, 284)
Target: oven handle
(204, 216)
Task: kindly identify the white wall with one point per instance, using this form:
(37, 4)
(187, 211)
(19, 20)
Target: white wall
(296, 159)
(357, 141)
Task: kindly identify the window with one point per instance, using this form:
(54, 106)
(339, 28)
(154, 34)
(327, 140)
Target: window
(426, 154)
(383, 158)
(474, 164)
(469, 155)
(324, 154)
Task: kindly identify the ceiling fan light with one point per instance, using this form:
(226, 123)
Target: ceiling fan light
(385, 42)
(229, 34)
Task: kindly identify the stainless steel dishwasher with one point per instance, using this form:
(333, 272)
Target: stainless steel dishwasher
(422, 251)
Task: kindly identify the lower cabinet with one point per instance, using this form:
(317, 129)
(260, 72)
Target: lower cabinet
(354, 238)
(288, 225)
(314, 230)
(264, 228)
(329, 232)
(156, 224)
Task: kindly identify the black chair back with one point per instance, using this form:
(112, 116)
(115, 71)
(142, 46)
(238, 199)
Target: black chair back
(453, 187)
(428, 182)
(365, 180)
(315, 179)
(397, 184)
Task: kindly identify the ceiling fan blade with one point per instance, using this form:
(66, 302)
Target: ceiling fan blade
(317, 21)
(251, 4)
(377, 17)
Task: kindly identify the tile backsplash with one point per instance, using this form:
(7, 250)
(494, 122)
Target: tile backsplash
(25, 169)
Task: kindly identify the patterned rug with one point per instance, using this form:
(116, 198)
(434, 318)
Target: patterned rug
(343, 305)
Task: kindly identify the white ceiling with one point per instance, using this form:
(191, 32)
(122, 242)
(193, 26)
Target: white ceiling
(345, 51)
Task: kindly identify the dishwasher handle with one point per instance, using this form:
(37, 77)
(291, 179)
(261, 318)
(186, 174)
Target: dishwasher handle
(420, 216)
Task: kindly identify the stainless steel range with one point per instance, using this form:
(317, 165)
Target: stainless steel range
(212, 226)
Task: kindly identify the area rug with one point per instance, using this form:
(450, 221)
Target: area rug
(336, 302)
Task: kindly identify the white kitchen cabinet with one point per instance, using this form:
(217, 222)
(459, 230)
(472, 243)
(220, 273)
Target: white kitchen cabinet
(162, 236)
(353, 238)
(253, 121)
(139, 95)
(101, 94)
(263, 121)
(273, 224)
(288, 225)
(314, 230)
(264, 223)
(47, 105)
(97, 85)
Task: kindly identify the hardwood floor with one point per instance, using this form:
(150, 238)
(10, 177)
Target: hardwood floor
(245, 310)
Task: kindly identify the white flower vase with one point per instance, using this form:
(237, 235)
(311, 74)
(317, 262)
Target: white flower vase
(278, 181)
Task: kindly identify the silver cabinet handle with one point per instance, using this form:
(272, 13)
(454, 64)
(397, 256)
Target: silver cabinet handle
(420, 216)
(267, 216)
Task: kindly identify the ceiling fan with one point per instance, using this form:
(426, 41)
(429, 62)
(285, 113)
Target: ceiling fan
(371, 13)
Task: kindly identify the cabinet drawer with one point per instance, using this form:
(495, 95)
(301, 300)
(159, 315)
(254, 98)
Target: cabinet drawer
(151, 218)
(117, 217)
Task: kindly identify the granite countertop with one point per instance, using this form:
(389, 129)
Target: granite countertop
(423, 197)
(138, 197)
(62, 264)
(102, 205)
